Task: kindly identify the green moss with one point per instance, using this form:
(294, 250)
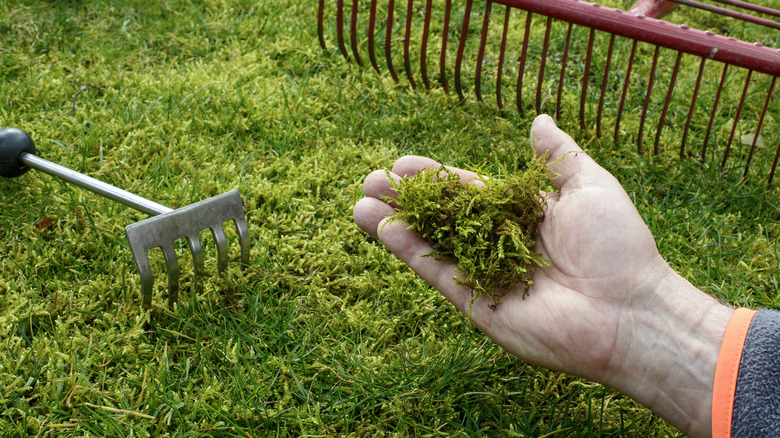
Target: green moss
(488, 228)
(325, 333)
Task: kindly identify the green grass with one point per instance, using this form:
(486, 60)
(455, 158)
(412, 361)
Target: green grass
(325, 333)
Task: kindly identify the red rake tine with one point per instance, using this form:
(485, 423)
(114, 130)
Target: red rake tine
(774, 164)
(481, 51)
(585, 78)
(389, 39)
(371, 29)
(340, 28)
(563, 72)
(320, 24)
(736, 119)
(650, 81)
(353, 33)
(444, 38)
(407, 43)
(502, 51)
(542, 63)
(424, 45)
(692, 107)
(758, 127)
(662, 119)
(714, 111)
(626, 82)
(521, 67)
(464, 31)
(604, 84)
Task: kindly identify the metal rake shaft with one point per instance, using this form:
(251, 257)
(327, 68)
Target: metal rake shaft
(96, 186)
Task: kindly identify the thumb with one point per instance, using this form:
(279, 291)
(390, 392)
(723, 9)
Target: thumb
(573, 167)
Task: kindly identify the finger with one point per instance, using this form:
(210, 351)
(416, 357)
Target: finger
(573, 166)
(370, 215)
(369, 212)
(408, 246)
(411, 164)
(377, 185)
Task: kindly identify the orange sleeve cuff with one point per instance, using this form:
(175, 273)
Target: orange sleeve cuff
(727, 370)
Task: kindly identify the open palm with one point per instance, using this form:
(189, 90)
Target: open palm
(596, 243)
(608, 307)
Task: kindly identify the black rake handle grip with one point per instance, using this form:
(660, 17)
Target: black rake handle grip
(13, 143)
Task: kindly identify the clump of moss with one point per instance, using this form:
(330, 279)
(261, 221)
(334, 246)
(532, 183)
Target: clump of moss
(488, 231)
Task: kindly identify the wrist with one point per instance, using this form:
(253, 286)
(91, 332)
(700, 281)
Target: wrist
(669, 358)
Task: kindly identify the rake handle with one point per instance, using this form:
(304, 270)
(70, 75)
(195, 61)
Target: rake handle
(17, 156)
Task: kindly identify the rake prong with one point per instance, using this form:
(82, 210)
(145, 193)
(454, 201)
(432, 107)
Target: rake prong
(222, 247)
(650, 82)
(481, 51)
(774, 164)
(407, 43)
(147, 278)
(389, 39)
(340, 28)
(736, 119)
(521, 67)
(320, 19)
(502, 51)
(464, 31)
(693, 106)
(586, 76)
(198, 263)
(758, 127)
(563, 72)
(604, 81)
(353, 33)
(542, 65)
(444, 37)
(172, 265)
(714, 110)
(661, 120)
(424, 44)
(243, 239)
(626, 82)
(371, 29)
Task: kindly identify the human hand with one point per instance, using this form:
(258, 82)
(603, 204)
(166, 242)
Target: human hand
(607, 308)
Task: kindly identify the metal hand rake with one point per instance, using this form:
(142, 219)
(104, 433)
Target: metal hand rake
(702, 64)
(17, 156)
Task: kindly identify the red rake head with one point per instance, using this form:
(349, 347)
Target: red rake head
(725, 79)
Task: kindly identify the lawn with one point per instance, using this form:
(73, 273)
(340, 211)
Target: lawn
(325, 333)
